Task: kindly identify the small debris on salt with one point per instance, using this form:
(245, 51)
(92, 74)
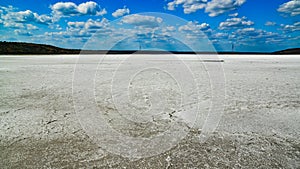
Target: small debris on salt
(168, 159)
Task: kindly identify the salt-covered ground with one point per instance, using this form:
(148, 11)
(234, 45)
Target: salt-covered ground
(46, 117)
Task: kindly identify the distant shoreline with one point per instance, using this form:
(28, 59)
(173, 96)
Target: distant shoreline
(22, 48)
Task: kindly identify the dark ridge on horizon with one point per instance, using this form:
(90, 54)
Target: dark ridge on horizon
(289, 51)
(23, 48)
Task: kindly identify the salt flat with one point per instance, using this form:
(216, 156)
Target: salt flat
(47, 115)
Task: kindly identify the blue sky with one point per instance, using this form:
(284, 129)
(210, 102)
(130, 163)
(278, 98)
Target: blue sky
(249, 25)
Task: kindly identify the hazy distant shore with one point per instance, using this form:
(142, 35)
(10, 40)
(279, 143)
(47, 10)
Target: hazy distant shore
(21, 48)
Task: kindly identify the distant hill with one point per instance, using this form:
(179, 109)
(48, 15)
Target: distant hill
(31, 48)
(289, 51)
(19, 48)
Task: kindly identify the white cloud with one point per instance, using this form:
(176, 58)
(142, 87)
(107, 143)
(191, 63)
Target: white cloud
(245, 31)
(71, 9)
(44, 19)
(65, 8)
(252, 36)
(58, 35)
(102, 12)
(22, 32)
(194, 27)
(31, 27)
(21, 16)
(76, 24)
(235, 23)
(90, 8)
(13, 25)
(145, 30)
(168, 30)
(10, 17)
(8, 8)
(233, 15)
(120, 12)
(220, 35)
(55, 26)
(142, 20)
(22, 21)
(89, 24)
(194, 31)
(291, 28)
(255, 37)
(218, 7)
(189, 6)
(193, 8)
(292, 7)
(69, 34)
(269, 23)
(213, 7)
(82, 30)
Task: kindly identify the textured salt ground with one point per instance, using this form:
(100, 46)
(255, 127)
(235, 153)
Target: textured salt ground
(259, 128)
(246, 150)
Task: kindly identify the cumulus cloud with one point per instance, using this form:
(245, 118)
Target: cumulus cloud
(189, 6)
(71, 9)
(23, 32)
(232, 23)
(213, 7)
(142, 20)
(90, 8)
(22, 21)
(65, 8)
(44, 19)
(21, 16)
(291, 28)
(292, 7)
(120, 12)
(194, 27)
(26, 17)
(220, 35)
(69, 34)
(89, 24)
(233, 15)
(31, 27)
(195, 30)
(168, 30)
(76, 24)
(59, 35)
(218, 7)
(250, 35)
(269, 23)
(13, 25)
(55, 27)
(81, 30)
(78, 31)
(147, 25)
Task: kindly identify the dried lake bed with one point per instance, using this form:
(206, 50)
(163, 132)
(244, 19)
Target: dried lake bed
(44, 102)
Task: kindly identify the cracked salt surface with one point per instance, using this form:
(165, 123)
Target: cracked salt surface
(260, 126)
